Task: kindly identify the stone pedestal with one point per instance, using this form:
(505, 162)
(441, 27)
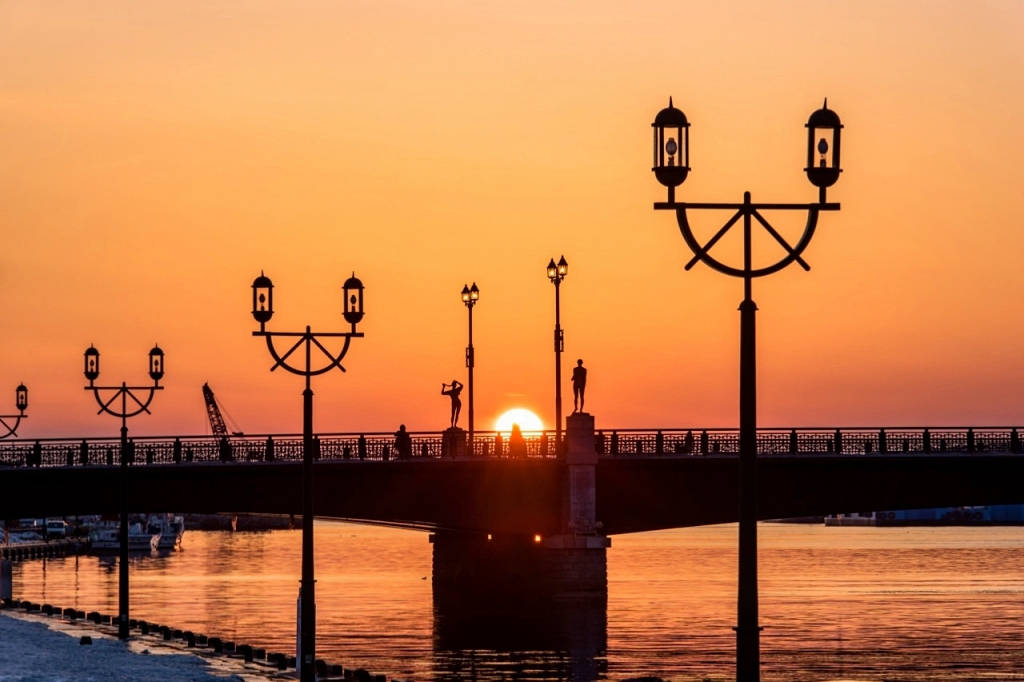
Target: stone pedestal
(453, 442)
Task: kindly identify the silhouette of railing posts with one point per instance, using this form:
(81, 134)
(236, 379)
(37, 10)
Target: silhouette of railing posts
(671, 167)
(121, 394)
(262, 312)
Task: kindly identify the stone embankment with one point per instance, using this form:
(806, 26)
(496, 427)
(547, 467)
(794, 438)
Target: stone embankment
(250, 661)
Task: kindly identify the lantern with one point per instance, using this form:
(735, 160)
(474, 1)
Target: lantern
(563, 267)
(823, 131)
(353, 308)
(474, 293)
(262, 299)
(92, 363)
(465, 294)
(156, 363)
(21, 398)
(671, 148)
(552, 270)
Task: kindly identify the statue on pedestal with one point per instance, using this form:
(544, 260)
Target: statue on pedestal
(579, 386)
(453, 390)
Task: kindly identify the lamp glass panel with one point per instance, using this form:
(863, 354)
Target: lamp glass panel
(824, 147)
(353, 300)
(261, 299)
(671, 147)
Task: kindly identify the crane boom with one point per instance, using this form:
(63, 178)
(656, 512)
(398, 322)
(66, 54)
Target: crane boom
(213, 412)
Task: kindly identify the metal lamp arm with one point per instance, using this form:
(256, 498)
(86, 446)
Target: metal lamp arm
(793, 253)
(307, 338)
(11, 430)
(127, 391)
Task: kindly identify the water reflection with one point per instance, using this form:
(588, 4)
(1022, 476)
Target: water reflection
(498, 635)
(906, 604)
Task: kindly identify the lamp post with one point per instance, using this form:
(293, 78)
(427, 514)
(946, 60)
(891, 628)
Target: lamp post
(556, 273)
(470, 295)
(671, 167)
(262, 311)
(21, 403)
(118, 405)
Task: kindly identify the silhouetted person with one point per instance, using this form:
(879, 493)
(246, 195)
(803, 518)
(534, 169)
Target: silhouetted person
(579, 385)
(516, 443)
(453, 392)
(403, 443)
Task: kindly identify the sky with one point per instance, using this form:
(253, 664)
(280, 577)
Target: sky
(155, 157)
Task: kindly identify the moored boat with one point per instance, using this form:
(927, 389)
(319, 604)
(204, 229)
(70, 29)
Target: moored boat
(107, 539)
(169, 527)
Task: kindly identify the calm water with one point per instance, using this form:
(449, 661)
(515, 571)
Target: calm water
(837, 603)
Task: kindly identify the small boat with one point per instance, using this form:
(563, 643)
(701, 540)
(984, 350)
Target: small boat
(108, 539)
(24, 537)
(170, 529)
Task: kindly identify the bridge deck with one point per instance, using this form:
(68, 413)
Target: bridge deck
(523, 495)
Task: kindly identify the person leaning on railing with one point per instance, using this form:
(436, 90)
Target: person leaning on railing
(403, 443)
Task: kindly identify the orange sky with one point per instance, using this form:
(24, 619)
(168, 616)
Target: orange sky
(155, 156)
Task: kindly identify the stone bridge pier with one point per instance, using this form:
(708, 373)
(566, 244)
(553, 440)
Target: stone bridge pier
(573, 562)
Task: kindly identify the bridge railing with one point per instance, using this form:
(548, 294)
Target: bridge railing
(814, 441)
(431, 445)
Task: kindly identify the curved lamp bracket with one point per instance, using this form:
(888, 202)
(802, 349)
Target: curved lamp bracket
(11, 430)
(793, 253)
(308, 340)
(128, 392)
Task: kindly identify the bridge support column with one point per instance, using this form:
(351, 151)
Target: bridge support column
(573, 561)
(577, 555)
(514, 564)
(6, 579)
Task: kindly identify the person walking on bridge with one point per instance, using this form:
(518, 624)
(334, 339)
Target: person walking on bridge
(453, 392)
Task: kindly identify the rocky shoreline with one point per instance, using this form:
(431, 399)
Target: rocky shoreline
(34, 648)
(237, 661)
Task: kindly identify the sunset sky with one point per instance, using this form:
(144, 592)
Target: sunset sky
(155, 156)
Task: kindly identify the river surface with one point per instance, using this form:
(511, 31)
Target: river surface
(837, 604)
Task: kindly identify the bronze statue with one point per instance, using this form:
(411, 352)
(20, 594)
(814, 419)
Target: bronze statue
(453, 390)
(579, 385)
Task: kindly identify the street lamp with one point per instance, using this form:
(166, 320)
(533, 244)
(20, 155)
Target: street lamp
(556, 273)
(263, 311)
(21, 404)
(671, 167)
(470, 295)
(124, 411)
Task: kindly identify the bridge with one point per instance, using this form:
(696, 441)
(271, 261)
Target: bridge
(645, 479)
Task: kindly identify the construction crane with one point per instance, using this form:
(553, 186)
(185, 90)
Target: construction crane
(213, 412)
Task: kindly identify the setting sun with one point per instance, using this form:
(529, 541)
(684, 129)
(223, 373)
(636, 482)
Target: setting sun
(528, 421)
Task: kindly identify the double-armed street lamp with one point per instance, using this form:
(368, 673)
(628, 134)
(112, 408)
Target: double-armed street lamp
(556, 273)
(21, 404)
(305, 342)
(118, 405)
(671, 167)
(470, 295)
